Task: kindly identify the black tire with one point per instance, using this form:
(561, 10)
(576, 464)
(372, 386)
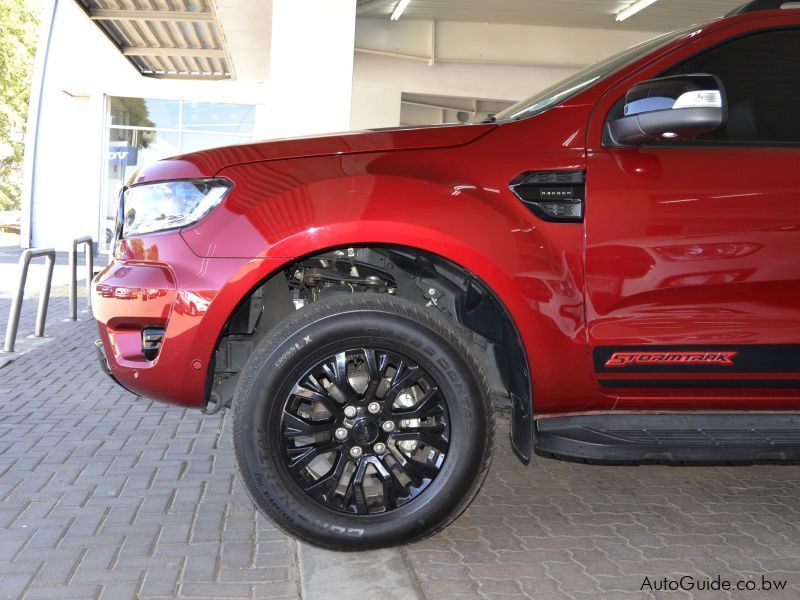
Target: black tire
(400, 328)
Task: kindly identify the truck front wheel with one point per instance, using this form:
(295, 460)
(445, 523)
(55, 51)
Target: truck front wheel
(363, 421)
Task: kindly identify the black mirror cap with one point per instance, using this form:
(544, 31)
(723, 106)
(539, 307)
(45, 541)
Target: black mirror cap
(669, 124)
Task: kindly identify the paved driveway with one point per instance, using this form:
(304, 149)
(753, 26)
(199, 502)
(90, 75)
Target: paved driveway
(106, 495)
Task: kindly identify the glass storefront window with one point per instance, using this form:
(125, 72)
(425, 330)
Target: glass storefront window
(144, 112)
(140, 131)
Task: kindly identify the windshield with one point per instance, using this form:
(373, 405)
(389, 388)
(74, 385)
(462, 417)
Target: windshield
(581, 80)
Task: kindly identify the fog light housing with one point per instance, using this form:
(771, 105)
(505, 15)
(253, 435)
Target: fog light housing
(152, 338)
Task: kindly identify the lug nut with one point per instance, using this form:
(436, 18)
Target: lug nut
(374, 407)
(388, 425)
(356, 451)
(379, 448)
(350, 411)
(340, 433)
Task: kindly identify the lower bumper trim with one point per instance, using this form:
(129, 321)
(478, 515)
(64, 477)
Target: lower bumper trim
(101, 355)
(105, 366)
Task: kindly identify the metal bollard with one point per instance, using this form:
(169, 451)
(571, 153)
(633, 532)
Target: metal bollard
(73, 267)
(16, 304)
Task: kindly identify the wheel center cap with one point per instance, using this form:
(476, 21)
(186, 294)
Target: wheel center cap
(365, 431)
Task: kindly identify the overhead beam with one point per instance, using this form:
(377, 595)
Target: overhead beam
(182, 52)
(192, 76)
(439, 106)
(471, 61)
(97, 14)
(425, 59)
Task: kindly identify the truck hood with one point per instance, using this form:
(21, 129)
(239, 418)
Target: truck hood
(208, 163)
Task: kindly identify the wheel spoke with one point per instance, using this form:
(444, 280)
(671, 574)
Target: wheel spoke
(405, 377)
(295, 426)
(301, 456)
(311, 389)
(358, 488)
(439, 429)
(420, 471)
(336, 370)
(376, 367)
(430, 439)
(388, 482)
(427, 406)
(321, 487)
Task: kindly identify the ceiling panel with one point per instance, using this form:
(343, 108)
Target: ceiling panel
(164, 38)
(664, 15)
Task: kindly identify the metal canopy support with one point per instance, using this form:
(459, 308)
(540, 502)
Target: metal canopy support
(97, 14)
(167, 51)
(16, 303)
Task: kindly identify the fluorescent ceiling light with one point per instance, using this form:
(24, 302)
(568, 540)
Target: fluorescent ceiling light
(633, 8)
(401, 6)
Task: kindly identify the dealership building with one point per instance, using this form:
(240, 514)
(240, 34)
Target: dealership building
(119, 84)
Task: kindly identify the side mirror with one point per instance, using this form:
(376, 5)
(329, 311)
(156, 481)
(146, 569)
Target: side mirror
(670, 108)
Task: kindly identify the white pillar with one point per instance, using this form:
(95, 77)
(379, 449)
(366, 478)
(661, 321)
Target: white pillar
(311, 67)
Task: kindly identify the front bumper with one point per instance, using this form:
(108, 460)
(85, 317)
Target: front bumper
(156, 282)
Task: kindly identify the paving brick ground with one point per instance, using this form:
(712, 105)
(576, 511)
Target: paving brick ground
(106, 495)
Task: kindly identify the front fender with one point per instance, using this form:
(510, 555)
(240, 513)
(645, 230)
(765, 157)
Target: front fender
(280, 211)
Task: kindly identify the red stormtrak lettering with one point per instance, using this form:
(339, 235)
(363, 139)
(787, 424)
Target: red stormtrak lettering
(625, 359)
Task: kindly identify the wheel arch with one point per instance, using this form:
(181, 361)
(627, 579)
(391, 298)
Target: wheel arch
(264, 282)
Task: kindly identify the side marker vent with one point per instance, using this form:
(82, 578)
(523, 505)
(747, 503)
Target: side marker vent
(554, 196)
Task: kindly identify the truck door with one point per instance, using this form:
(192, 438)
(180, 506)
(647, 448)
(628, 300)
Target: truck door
(693, 248)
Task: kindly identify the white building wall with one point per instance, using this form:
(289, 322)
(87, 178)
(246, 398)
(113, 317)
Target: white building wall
(311, 66)
(67, 169)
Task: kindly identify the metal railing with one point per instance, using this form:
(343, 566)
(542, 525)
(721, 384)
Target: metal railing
(73, 268)
(44, 297)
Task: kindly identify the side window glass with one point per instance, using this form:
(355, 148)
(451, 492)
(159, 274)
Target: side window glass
(761, 74)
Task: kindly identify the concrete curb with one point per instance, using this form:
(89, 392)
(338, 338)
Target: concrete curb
(380, 574)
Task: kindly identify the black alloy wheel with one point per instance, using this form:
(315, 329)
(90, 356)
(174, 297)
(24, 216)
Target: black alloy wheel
(365, 430)
(363, 421)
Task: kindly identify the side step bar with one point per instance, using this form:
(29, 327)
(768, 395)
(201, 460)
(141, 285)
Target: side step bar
(671, 438)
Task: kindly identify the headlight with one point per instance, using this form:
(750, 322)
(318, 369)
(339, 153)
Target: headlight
(150, 207)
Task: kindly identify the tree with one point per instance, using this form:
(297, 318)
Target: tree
(18, 33)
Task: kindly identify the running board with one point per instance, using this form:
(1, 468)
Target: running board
(671, 438)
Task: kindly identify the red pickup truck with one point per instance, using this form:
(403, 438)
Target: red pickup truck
(615, 260)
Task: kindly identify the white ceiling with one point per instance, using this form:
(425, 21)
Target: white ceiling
(664, 15)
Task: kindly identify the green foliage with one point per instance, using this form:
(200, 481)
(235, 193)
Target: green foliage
(18, 33)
